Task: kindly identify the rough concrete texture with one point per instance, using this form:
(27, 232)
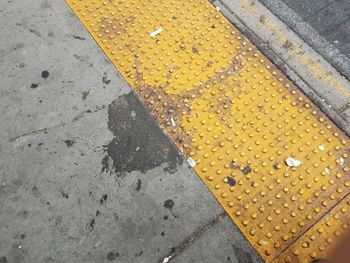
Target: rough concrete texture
(323, 24)
(85, 174)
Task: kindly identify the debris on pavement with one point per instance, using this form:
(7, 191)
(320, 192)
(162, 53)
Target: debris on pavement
(291, 162)
(166, 259)
(246, 170)
(326, 170)
(321, 147)
(191, 162)
(133, 114)
(217, 8)
(341, 161)
(156, 32)
(173, 122)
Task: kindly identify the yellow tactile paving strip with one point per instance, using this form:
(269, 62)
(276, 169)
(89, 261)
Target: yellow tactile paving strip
(229, 108)
(321, 237)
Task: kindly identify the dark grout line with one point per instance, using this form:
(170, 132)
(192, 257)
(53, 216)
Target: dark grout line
(328, 212)
(192, 238)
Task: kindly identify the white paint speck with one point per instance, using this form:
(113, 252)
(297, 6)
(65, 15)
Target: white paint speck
(321, 148)
(156, 32)
(165, 260)
(291, 162)
(191, 162)
(217, 9)
(173, 122)
(133, 114)
(341, 161)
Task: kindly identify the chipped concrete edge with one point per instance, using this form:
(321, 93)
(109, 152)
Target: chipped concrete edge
(319, 80)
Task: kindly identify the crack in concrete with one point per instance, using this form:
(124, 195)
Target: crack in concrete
(76, 118)
(192, 238)
(36, 132)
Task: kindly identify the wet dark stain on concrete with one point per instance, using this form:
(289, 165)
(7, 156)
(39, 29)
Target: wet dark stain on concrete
(105, 80)
(78, 37)
(105, 164)
(69, 143)
(45, 74)
(138, 143)
(138, 186)
(168, 204)
(231, 181)
(34, 86)
(165, 217)
(112, 255)
(139, 254)
(246, 170)
(85, 94)
(103, 199)
(64, 194)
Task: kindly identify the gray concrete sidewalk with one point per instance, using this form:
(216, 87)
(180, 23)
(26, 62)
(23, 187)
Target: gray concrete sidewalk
(85, 173)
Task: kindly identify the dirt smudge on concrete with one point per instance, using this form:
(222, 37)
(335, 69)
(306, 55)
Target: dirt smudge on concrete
(138, 144)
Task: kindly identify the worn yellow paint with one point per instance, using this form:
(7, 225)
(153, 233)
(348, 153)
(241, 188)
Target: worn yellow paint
(311, 65)
(225, 105)
(322, 236)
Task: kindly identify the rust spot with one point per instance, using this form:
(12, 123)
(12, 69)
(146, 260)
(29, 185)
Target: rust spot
(287, 44)
(234, 165)
(113, 28)
(167, 110)
(262, 19)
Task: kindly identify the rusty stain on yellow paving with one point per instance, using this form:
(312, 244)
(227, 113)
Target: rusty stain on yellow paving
(229, 108)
